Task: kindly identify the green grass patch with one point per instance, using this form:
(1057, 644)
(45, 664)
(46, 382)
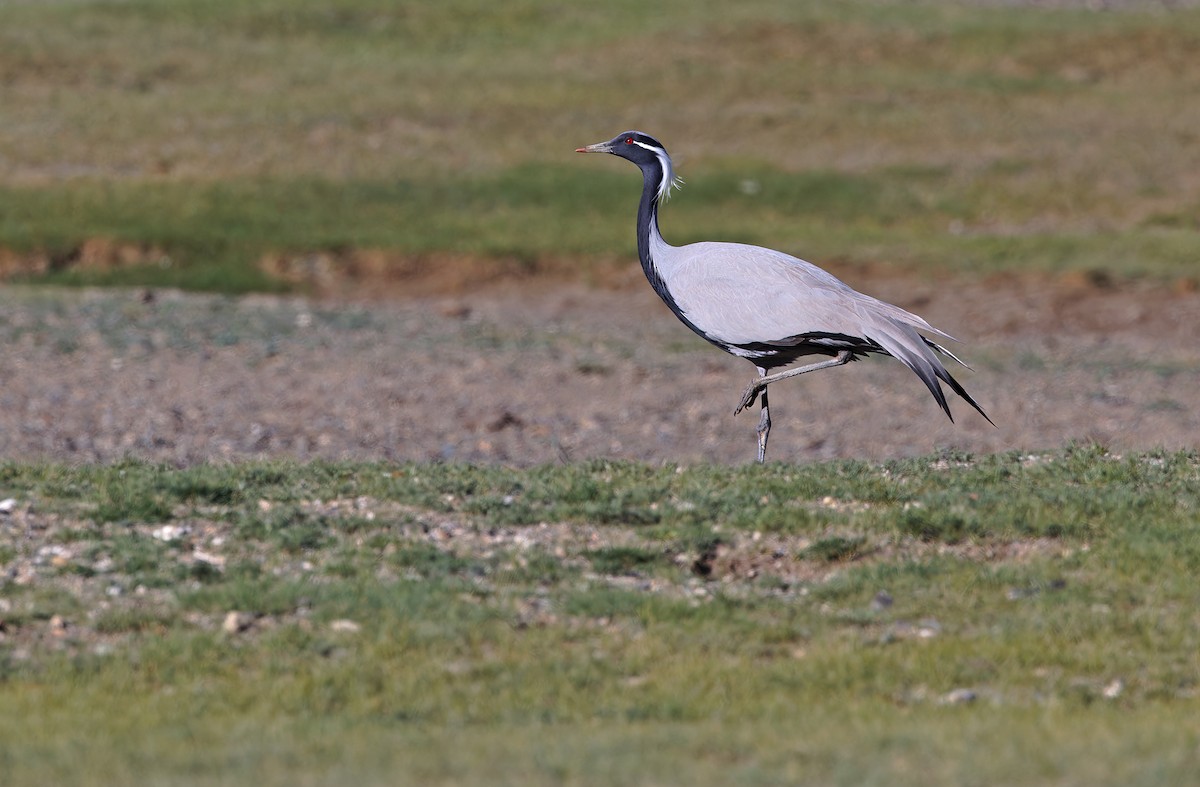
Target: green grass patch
(1041, 600)
(623, 560)
(835, 548)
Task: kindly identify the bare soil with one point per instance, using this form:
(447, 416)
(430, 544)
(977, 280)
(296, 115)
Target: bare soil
(533, 370)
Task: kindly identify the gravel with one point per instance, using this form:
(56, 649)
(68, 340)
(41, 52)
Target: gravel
(527, 373)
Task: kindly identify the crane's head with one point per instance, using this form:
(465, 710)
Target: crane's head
(645, 151)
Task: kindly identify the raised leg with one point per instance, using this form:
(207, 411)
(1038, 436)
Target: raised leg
(764, 424)
(753, 389)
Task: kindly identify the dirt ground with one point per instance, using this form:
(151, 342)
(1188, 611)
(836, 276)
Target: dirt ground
(532, 371)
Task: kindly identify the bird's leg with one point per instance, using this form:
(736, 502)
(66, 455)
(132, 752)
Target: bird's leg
(752, 390)
(764, 424)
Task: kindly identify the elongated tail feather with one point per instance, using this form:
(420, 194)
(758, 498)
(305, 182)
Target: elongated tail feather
(956, 386)
(913, 350)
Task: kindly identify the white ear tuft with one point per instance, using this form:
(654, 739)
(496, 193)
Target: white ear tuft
(669, 180)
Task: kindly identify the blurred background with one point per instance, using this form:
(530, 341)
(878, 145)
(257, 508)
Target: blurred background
(997, 166)
(964, 135)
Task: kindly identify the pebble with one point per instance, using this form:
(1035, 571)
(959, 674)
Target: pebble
(928, 628)
(54, 554)
(170, 532)
(959, 697)
(237, 622)
(216, 561)
(58, 625)
(8, 505)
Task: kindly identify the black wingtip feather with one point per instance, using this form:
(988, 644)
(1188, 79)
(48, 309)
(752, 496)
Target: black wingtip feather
(958, 389)
(927, 367)
(955, 385)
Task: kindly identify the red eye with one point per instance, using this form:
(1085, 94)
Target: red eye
(628, 140)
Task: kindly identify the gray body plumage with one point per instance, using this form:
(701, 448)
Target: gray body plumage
(767, 306)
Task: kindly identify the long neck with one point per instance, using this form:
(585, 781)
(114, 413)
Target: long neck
(649, 238)
(659, 257)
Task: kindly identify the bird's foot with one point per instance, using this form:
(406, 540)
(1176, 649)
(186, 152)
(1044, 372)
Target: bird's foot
(748, 396)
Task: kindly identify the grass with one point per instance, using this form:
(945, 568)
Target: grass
(938, 134)
(604, 623)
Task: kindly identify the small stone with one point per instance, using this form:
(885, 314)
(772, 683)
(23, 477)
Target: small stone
(883, 600)
(928, 628)
(170, 533)
(54, 554)
(345, 626)
(1113, 689)
(8, 505)
(237, 622)
(216, 561)
(959, 697)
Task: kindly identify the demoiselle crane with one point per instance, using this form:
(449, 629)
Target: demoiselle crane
(769, 307)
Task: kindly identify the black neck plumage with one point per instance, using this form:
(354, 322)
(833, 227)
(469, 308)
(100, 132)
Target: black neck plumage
(647, 222)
